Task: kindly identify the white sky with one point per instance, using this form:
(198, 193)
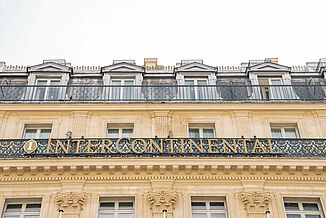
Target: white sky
(222, 32)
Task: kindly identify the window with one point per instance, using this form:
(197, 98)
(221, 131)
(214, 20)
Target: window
(22, 208)
(120, 89)
(201, 130)
(208, 207)
(284, 131)
(272, 88)
(119, 130)
(196, 89)
(120, 207)
(37, 131)
(47, 89)
(303, 208)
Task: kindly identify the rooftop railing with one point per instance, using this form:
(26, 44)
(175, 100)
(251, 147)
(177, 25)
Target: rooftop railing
(164, 93)
(163, 147)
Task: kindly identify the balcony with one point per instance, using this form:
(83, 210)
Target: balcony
(163, 147)
(165, 93)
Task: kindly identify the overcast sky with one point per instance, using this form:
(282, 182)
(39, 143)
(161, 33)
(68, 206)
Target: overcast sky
(222, 32)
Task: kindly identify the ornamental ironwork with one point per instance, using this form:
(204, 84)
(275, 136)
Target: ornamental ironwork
(164, 147)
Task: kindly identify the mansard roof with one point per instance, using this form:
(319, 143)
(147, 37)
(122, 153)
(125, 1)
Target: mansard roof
(195, 67)
(50, 67)
(123, 67)
(268, 67)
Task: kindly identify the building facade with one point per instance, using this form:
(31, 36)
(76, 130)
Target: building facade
(188, 141)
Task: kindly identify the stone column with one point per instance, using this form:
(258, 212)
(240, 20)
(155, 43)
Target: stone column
(70, 203)
(162, 123)
(79, 123)
(256, 203)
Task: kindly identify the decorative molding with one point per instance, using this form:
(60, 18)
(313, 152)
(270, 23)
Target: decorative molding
(50, 67)
(195, 67)
(256, 202)
(162, 200)
(70, 202)
(123, 67)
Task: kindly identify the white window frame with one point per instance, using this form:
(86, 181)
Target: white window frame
(23, 212)
(207, 200)
(300, 202)
(196, 89)
(116, 211)
(38, 128)
(283, 126)
(122, 89)
(201, 127)
(120, 127)
(47, 88)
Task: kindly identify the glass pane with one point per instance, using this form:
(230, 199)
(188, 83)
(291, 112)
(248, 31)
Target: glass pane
(113, 133)
(107, 206)
(125, 215)
(198, 205)
(115, 92)
(33, 207)
(128, 92)
(126, 205)
(199, 215)
(40, 91)
(290, 133)
(127, 133)
(45, 133)
(218, 215)
(30, 134)
(14, 207)
(193, 133)
(310, 206)
(276, 133)
(291, 206)
(216, 205)
(312, 216)
(208, 133)
(202, 89)
(277, 89)
(190, 89)
(31, 216)
(11, 216)
(293, 216)
(107, 215)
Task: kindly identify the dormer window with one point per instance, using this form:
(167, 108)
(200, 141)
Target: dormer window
(47, 89)
(196, 89)
(272, 88)
(122, 89)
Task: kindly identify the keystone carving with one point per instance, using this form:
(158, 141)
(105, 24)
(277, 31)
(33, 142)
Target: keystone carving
(256, 202)
(162, 200)
(70, 202)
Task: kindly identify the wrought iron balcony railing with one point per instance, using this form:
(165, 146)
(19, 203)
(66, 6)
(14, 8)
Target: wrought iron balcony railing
(161, 93)
(165, 147)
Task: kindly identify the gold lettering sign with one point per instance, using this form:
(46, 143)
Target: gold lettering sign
(30, 146)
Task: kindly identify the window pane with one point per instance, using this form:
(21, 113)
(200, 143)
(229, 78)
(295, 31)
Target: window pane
(45, 133)
(310, 206)
(33, 207)
(290, 133)
(199, 215)
(127, 133)
(128, 92)
(218, 215)
(291, 206)
(190, 89)
(107, 215)
(312, 216)
(107, 206)
(113, 133)
(30, 133)
(216, 205)
(31, 216)
(11, 216)
(125, 215)
(115, 91)
(193, 133)
(13, 207)
(276, 133)
(126, 205)
(198, 205)
(293, 216)
(208, 133)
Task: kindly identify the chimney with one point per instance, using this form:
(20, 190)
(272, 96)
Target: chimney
(150, 62)
(2, 65)
(272, 60)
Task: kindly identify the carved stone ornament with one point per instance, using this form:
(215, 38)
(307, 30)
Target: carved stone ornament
(70, 202)
(256, 202)
(162, 200)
